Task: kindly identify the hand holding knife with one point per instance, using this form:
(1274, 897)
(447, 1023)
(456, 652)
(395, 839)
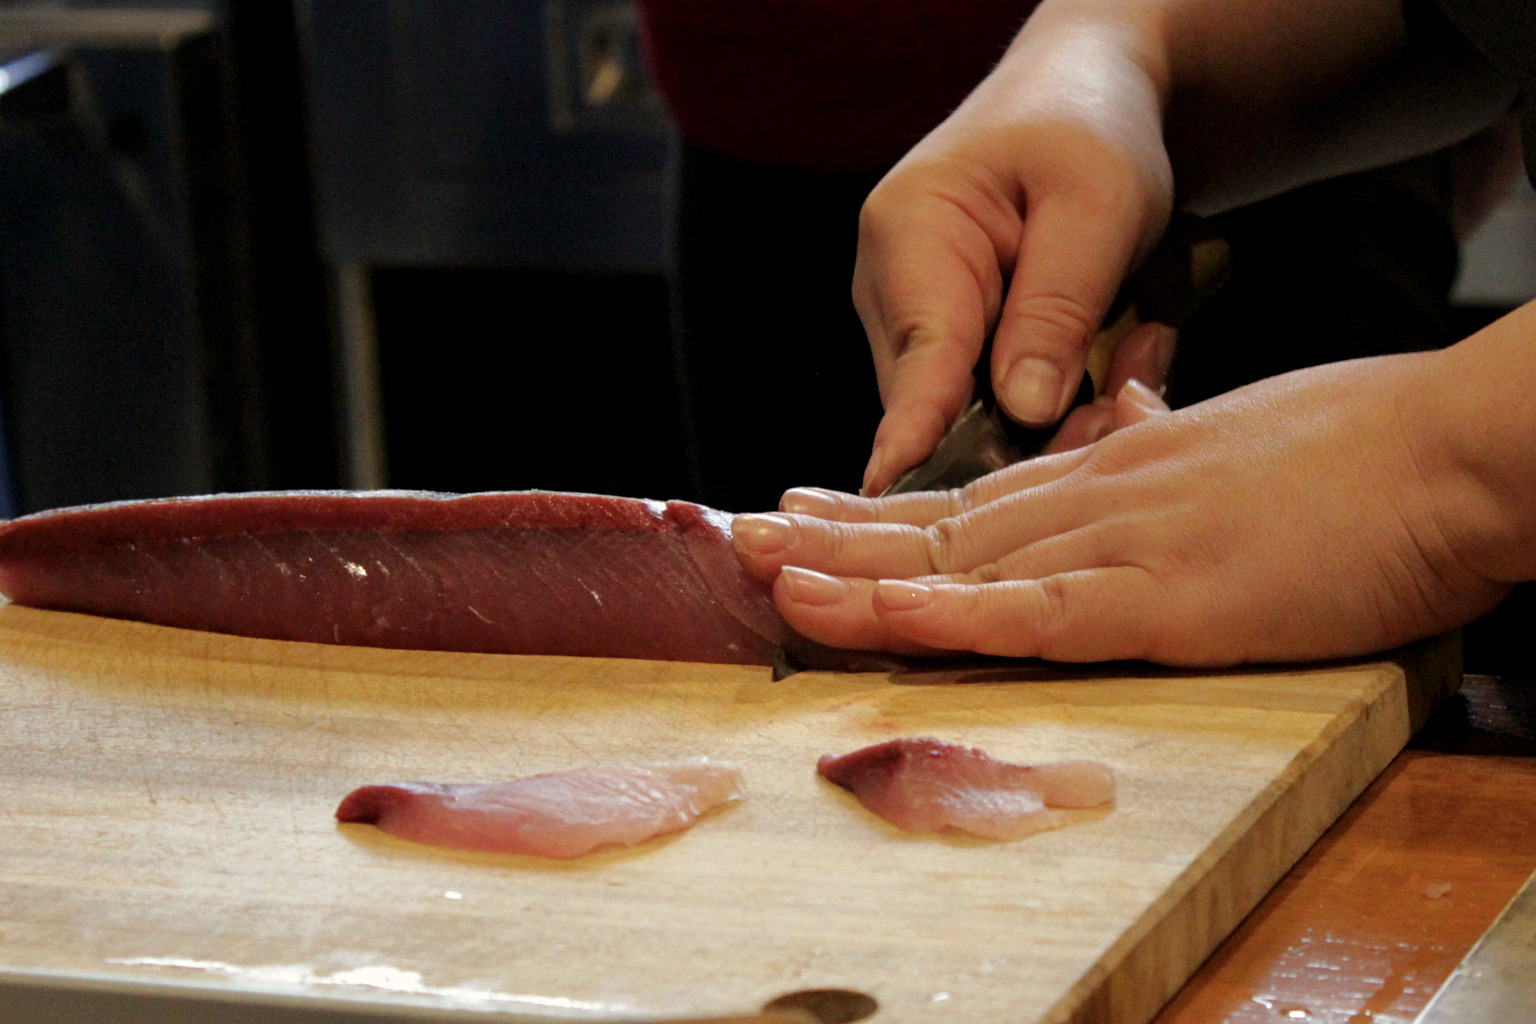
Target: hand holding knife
(1188, 265)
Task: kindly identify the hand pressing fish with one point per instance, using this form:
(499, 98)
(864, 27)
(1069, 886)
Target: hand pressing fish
(559, 815)
(522, 572)
(925, 785)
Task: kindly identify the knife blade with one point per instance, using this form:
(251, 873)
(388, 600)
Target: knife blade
(1187, 267)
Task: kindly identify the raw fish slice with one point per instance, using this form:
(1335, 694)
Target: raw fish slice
(925, 785)
(559, 815)
(525, 572)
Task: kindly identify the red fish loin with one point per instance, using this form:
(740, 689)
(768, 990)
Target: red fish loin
(512, 572)
(925, 785)
(559, 815)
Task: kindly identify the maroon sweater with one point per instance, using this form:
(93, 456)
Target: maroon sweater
(822, 85)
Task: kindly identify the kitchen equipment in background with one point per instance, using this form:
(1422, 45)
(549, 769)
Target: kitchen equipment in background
(157, 332)
(492, 205)
(31, 81)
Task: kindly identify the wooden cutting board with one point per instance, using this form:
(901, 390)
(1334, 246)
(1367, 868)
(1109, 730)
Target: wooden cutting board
(168, 842)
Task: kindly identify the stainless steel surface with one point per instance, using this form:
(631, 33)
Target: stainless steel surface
(363, 404)
(1496, 983)
(101, 27)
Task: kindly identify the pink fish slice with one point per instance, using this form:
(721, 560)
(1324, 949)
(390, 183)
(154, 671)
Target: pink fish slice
(559, 815)
(925, 785)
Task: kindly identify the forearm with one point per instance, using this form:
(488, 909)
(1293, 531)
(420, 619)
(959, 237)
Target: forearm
(1264, 95)
(1259, 96)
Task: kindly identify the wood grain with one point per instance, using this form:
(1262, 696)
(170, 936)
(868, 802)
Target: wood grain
(168, 799)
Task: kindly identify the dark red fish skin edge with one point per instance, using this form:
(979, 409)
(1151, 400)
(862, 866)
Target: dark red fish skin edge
(911, 782)
(869, 772)
(367, 804)
(145, 560)
(880, 761)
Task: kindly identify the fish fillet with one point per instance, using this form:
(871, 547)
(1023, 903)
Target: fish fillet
(526, 572)
(559, 815)
(925, 785)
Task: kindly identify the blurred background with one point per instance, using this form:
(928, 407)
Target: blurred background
(334, 243)
(251, 244)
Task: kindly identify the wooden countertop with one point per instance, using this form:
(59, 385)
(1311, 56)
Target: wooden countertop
(1381, 910)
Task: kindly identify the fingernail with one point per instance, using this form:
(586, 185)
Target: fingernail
(1032, 391)
(1143, 396)
(814, 588)
(902, 595)
(872, 471)
(810, 501)
(763, 533)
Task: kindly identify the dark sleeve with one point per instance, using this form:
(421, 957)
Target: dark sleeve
(1503, 32)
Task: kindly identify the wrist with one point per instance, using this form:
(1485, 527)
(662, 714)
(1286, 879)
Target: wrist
(1470, 415)
(1081, 89)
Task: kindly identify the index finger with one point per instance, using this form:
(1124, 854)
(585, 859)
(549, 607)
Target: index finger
(927, 287)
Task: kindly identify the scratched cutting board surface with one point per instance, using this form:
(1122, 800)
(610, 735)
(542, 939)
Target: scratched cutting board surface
(168, 799)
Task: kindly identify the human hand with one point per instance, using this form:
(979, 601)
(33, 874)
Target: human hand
(1133, 390)
(1311, 515)
(1068, 128)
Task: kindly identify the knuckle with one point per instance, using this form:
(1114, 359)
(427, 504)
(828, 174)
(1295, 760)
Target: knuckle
(1057, 316)
(865, 297)
(942, 541)
(871, 214)
(990, 572)
(845, 508)
(879, 208)
(916, 331)
(1051, 612)
(962, 500)
(1118, 456)
(834, 542)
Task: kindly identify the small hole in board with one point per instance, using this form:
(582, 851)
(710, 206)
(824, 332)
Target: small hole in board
(826, 1005)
